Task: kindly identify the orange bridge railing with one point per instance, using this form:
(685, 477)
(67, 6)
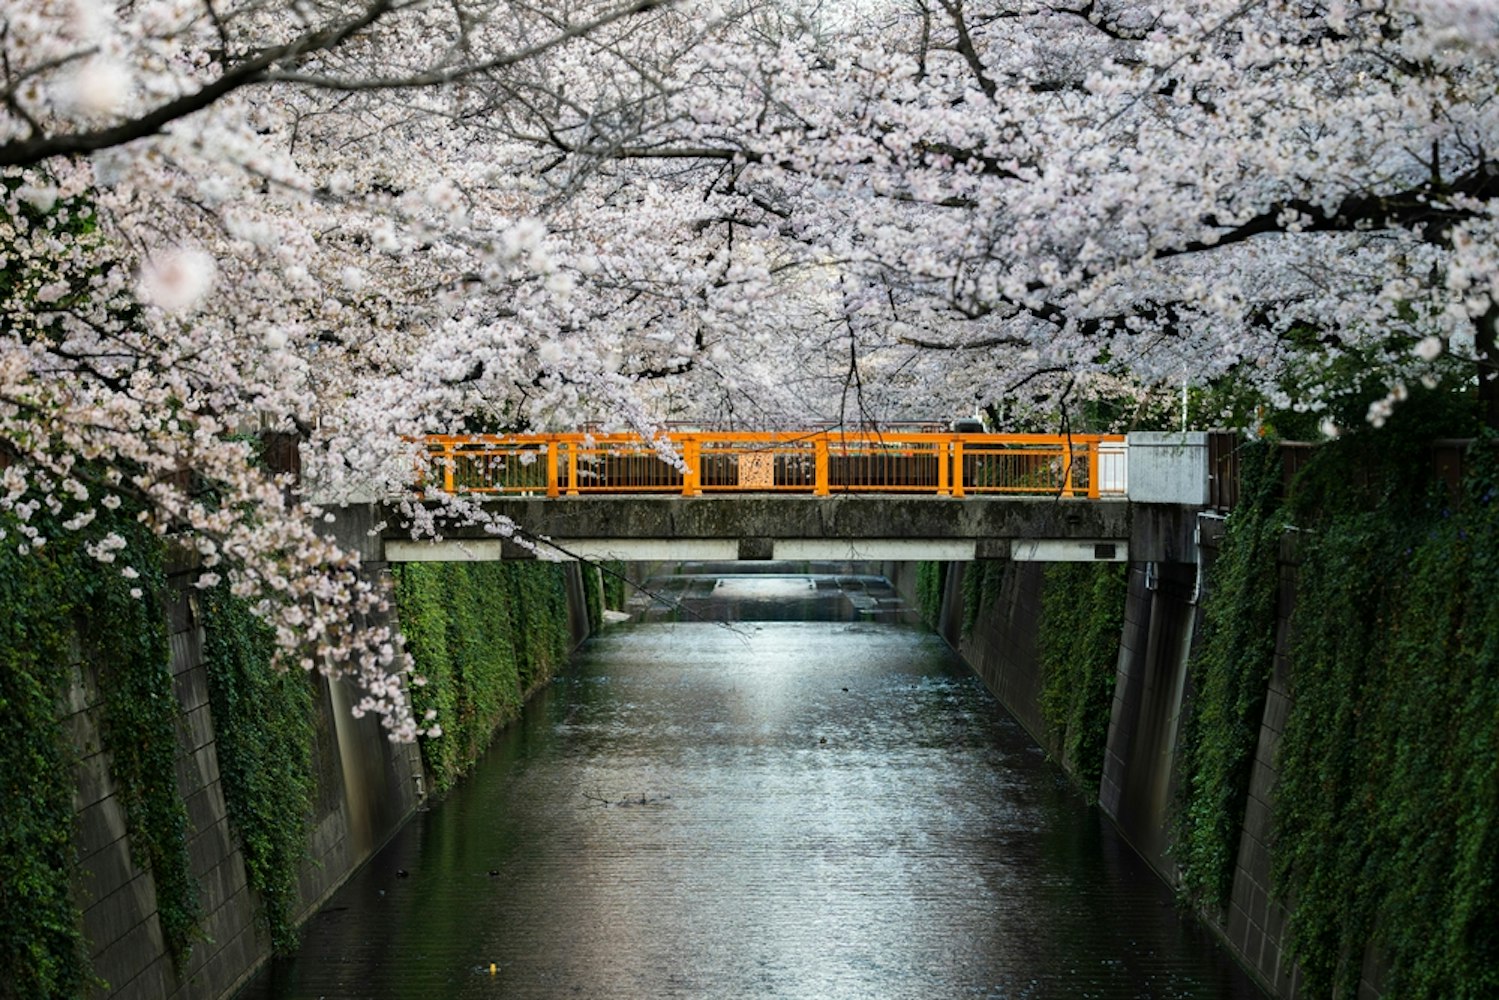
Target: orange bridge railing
(820, 463)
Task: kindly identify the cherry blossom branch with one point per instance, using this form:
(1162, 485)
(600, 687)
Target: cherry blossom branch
(250, 71)
(455, 74)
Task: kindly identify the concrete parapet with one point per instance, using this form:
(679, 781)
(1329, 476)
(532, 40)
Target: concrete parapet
(1168, 467)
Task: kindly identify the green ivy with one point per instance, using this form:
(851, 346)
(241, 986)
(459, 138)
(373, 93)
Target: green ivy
(593, 593)
(931, 581)
(264, 726)
(483, 635)
(614, 585)
(981, 583)
(41, 943)
(61, 605)
(1386, 803)
(1082, 617)
(538, 620)
(1389, 764)
(125, 637)
(1229, 676)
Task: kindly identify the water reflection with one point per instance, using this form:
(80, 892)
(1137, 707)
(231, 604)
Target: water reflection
(771, 809)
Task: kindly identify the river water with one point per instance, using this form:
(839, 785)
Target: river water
(828, 807)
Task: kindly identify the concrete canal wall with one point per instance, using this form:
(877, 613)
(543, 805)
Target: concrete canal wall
(366, 788)
(1141, 763)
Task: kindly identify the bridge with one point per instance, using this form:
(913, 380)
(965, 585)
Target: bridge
(816, 495)
(819, 463)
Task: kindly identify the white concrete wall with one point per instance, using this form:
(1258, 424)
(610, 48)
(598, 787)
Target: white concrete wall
(1168, 467)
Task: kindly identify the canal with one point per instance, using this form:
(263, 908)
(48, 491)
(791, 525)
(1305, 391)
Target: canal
(739, 805)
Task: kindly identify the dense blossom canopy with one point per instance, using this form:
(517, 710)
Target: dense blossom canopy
(358, 220)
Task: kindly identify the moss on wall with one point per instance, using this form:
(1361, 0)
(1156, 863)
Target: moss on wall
(125, 637)
(931, 580)
(483, 636)
(615, 591)
(981, 582)
(593, 595)
(1387, 804)
(41, 945)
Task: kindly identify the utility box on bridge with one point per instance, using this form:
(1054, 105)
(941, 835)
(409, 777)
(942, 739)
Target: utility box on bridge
(1168, 467)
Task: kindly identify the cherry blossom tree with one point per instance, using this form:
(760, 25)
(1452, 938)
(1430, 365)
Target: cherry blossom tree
(362, 220)
(231, 218)
(1008, 197)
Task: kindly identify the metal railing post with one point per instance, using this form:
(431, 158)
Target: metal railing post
(553, 488)
(572, 468)
(449, 464)
(693, 475)
(1067, 466)
(957, 468)
(1093, 484)
(820, 485)
(944, 456)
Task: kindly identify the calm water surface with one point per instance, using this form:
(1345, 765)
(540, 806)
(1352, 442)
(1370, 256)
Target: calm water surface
(830, 808)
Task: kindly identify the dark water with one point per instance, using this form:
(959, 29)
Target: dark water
(809, 809)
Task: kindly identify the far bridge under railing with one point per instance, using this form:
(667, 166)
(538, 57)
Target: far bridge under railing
(818, 463)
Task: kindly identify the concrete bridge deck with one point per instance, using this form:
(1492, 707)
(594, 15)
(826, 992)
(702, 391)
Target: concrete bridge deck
(790, 528)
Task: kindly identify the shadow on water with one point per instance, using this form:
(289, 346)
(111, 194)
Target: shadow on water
(828, 806)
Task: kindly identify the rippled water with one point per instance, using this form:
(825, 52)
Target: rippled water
(830, 809)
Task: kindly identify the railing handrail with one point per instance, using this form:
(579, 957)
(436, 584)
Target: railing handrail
(957, 464)
(777, 437)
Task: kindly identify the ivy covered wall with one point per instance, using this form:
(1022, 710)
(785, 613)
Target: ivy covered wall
(122, 752)
(264, 725)
(1082, 617)
(96, 702)
(483, 635)
(1229, 674)
(60, 607)
(41, 944)
(1390, 759)
(1385, 836)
